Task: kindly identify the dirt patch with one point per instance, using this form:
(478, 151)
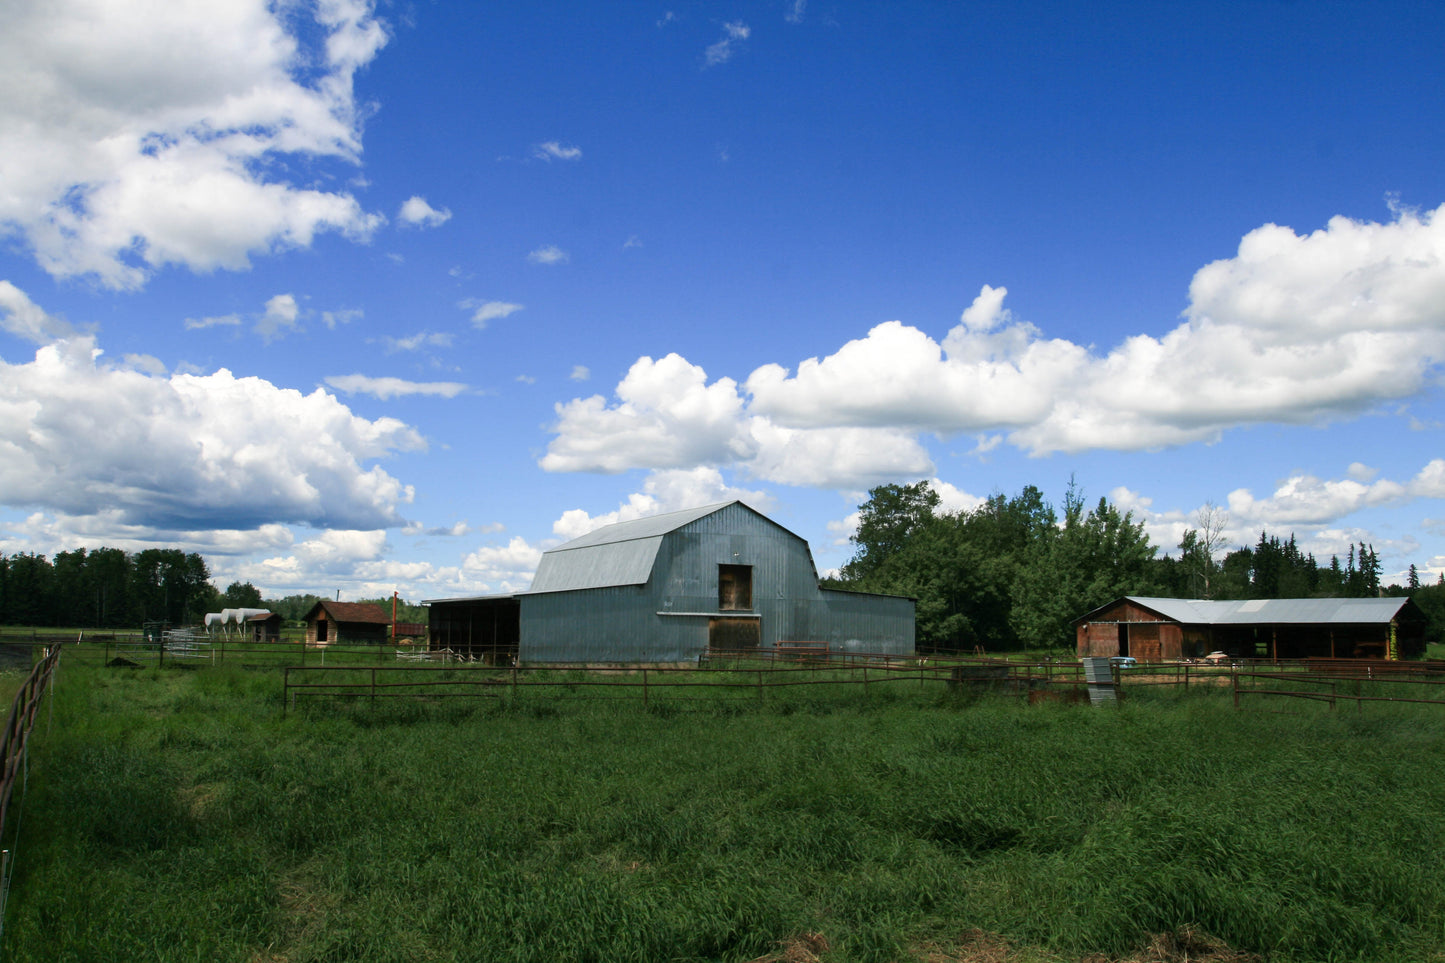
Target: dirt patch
(1186, 945)
(805, 948)
(975, 946)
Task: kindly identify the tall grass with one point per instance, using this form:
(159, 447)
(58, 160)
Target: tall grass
(179, 816)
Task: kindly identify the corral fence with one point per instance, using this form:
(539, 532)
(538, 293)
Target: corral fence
(14, 749)
(747, 673)
(1354, 680)
(733, 678)
(192, 647)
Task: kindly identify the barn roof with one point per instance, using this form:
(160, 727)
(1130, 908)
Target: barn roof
(351, 612)
(1269, 611)
(618, 554)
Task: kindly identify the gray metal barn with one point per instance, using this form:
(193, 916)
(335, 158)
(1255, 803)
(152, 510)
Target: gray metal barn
(665, 588)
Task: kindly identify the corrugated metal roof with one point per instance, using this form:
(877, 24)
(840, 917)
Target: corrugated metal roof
(652, 526)
(470, 598)
(596, 566)
(618, 554)
(1276, 611)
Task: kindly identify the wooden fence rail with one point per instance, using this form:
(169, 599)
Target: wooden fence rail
(14, 750)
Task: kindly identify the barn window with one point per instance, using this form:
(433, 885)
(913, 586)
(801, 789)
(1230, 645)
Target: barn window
(735, 587)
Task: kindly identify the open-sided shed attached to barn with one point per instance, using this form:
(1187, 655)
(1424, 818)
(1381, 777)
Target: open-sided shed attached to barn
(1155, 629)
(664, 589)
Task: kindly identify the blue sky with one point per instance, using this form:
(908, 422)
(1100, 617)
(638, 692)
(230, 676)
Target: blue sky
(353, 297)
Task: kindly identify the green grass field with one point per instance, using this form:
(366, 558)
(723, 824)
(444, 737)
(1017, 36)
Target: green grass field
(177, 815)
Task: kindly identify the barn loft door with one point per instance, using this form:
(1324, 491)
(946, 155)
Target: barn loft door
(734, 588)
(723, 633)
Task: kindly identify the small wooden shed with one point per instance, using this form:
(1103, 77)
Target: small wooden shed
(349, 623)
(1165, 630)
(264, 627)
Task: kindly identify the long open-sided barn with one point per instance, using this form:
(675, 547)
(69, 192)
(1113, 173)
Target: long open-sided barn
(1154, 629)
(664, 589)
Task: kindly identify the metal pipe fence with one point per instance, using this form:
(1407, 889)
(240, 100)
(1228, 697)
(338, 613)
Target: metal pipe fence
(646, 682)
(1355, 686)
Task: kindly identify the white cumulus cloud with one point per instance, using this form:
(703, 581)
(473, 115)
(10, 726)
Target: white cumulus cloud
(549, 254)
(490, 311)
(386, 388)
(1295, 329)
(281, 317)
(667, 416)
(418, 213)
(503, 568)
(734, 33)
(136, 135)
(80, 438)
(23, 318)
(553, 150)
(663, 491)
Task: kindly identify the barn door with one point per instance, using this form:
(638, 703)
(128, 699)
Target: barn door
(1144, 643)
(725, 633)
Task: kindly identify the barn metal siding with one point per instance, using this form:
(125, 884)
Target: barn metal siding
(618, 624)
(877, 624)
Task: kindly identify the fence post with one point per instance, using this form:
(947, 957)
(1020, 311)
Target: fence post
(760, 685)
(1234, 682)
(644, 685)
(373, 688)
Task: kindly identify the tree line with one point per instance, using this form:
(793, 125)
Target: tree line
(1014, 573)
(107, 588)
